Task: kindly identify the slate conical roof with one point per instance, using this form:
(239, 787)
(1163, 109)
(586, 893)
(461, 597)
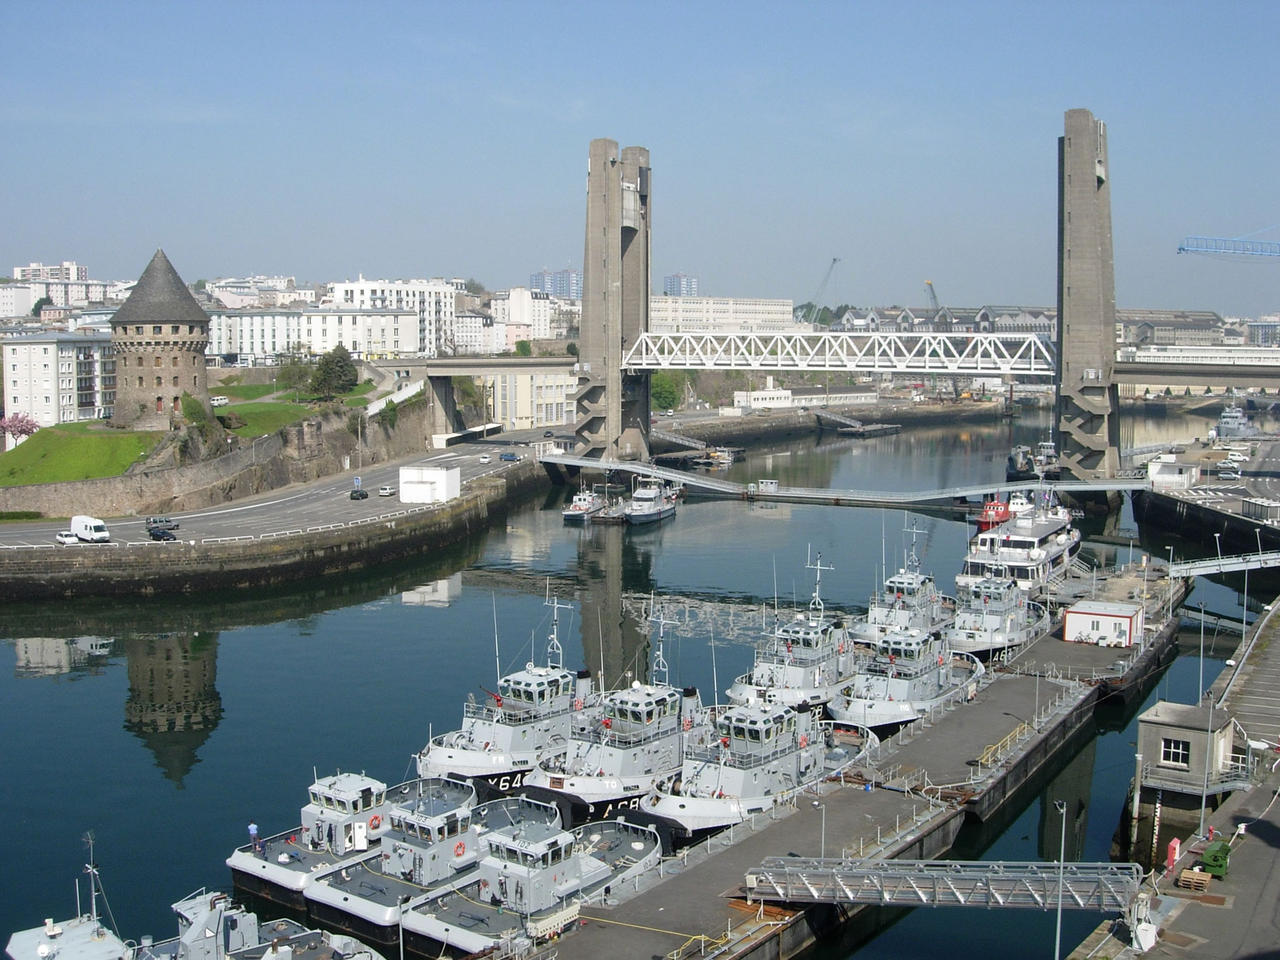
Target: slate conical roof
(160, 296)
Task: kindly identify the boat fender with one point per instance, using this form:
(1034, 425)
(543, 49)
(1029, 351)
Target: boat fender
(459, 848)
(375, 822)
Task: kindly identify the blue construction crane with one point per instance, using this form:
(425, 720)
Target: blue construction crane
(933, 296)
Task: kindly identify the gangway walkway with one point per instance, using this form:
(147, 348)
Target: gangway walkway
(1244, 561)
(942, 883)
(678, 439)
(838, 418)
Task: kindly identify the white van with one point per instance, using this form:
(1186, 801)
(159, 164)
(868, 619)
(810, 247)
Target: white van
(90, 530)
(218, 401)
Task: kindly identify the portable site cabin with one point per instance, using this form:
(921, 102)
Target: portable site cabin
(1104, 623)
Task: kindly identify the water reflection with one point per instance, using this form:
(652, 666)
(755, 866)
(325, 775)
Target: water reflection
(55, 656)
(173, 705)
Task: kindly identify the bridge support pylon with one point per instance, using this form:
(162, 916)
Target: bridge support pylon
(612, 404)
(1087, 403)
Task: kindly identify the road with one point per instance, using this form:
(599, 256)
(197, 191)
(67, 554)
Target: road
(300, 505)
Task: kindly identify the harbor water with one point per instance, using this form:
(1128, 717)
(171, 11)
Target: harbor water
(165, 725)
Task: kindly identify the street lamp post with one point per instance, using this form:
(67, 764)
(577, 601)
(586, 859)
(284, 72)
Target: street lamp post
(1217, 539)
(1061, 806)
(822, 848)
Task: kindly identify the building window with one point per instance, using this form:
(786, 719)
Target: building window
(173, 328)
(1175, 753)
(159, 381)
(157, 329)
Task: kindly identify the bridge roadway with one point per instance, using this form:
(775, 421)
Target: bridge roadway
(965, 757)
(716, 486)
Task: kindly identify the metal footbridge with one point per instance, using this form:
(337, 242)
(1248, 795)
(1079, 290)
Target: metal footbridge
(716, 486)
(1244, 561)
(940, 883)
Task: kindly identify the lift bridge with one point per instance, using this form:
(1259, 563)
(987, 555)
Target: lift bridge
(716, 486)
(1035, 885)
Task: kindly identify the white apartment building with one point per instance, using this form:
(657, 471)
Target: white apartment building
(532, 308)
(238, 293)
(722, 315)
(475, 334)
(67, 270)
(17, 299)
(522, 401)
(63, 293)
(434, 300)
(257, 334)
(58, 377)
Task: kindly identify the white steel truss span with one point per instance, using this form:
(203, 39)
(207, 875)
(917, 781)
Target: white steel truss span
(1024, 354)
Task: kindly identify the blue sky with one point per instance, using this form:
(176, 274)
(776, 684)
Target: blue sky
(426, 139)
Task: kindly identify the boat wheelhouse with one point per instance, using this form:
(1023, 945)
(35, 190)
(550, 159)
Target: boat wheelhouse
(651, 501)
(585, 505)
(909, 600)
(344, 818)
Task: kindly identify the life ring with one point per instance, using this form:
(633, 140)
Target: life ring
(459, 848)
(375, 822)
(687, 723)
(577, 704)
(804, 740)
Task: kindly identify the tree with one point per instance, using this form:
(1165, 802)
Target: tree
(524, 348)
(664, 391)
(571, 349)
(18, 425)
(292, 374)
(42, 302)
(334, 374)
(474, 286)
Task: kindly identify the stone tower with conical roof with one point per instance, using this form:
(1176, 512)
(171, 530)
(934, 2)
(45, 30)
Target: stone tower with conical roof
(159, 336)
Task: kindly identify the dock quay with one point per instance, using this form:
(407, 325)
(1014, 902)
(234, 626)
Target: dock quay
(1236, 915)
(967, 760)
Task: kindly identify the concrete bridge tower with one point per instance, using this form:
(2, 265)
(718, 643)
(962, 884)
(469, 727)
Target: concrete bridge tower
(1087, 407)
(613, 407)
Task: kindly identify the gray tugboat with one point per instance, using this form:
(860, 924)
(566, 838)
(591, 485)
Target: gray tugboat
(432, 844)
(803, 661)
(501, 740)
(613, 757)
(211, 926)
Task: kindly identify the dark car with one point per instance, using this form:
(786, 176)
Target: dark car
(509, 457)
(548, 433)
(164, 523)
(160, 533)
(359, 493)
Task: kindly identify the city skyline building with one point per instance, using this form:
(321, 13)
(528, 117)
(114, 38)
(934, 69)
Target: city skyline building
(565, 284)
(679, 285)
(57, 377)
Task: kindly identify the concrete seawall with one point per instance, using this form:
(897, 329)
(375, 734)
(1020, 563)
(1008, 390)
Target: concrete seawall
(191, 567)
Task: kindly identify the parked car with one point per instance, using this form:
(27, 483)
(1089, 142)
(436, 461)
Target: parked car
(164, 523)
(548, 433)
(1228, 475)
(485, 458)
(66, 536)
(509, 457)
(359, 493)
(386, 490)
(160, 533)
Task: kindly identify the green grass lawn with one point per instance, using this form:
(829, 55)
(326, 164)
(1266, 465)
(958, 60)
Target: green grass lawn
(244, 391)
(74, 451)
(267, 417)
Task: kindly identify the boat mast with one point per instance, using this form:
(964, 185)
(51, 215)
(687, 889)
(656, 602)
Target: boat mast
(555, 653)
(658, 675)
(815, 605)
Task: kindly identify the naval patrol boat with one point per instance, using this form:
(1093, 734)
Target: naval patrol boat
(614, 756)
(501, 740)
(909, 600)
(995, 615)
(763, 755)
(344, 819)
(903, 675)
(803, 661)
